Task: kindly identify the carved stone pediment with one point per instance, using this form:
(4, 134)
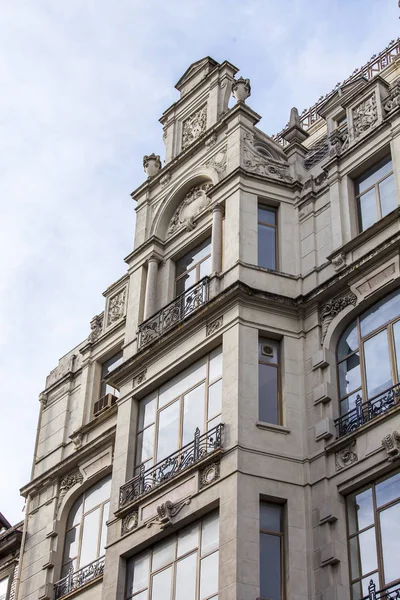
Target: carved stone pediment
(195, 201)
(263, 158)
(193, 127)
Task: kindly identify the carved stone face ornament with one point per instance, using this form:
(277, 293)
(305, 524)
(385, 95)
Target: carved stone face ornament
(195, 201)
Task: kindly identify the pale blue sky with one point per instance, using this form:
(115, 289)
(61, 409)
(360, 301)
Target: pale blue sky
(83, 84)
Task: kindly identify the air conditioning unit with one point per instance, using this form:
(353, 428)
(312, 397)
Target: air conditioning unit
(103, 404)
(267, 350)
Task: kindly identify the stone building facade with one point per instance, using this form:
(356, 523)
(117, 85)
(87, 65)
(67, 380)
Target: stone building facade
(229, 429)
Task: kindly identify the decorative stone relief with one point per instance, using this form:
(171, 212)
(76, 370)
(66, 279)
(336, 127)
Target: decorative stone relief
(213, 326)
(77, 440)
(338, 141)
(165, 179)
(167, 511)
(130, 522)
(315, 182)
(218, 161)
(391, 443)
(209, 474)
(333, 308)
(339, 261)
(140, 378)
(393, 100)
(252, 160)
(364, 115)
(211, 141)
(96, 326)
(195, 201)
(116, 307)
(67, 483)
(193, 127)
(346, 456)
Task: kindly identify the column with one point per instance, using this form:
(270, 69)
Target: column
(151, 287)
(216, 239)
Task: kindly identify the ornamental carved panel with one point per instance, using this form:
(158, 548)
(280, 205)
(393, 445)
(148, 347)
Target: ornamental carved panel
(194, 127)
(195, 201)
(364, 115)
(346, 457)
(116, 307)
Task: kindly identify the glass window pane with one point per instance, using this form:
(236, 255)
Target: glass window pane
(360, 589)
(3, 587)
(183, 381)
(396, 335)
(205, 267)
(266, 216)
(349, 403)
(348, 342)
(374, 174)
(111, 364)
(270, 516)
(90, 538)
(168, 430)
(266, 247)
(103, 538)
(185, 282)
(368, 211)
(361, 510)
(193, 413)
(268, 394)
(193, 257)
(163, 553)
(147, 410)
(377, 364)
(388, 490)
(138, 573)
(363, 553)
(270, 566)
(71, 544)
(390, 532)
(186, 571)
(188, 539)
(209, 533)
(141, 595)
(214, 422)
(100, 492)
(145, 445)
(75, 514)
(161, 585)
(382, 312)
(349, 374)
(387, 194)
(214, 398)
(209, 575)
(216, 363)
(268, 350)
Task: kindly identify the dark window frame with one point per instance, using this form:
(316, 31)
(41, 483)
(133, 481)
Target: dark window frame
(273, 209)
(358, 195)
(282, 535)
(263, 340)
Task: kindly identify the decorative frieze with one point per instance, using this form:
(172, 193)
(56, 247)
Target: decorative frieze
(195, 201)
(391, 443)
(68, 482)
(129, 522)
(193, 127)
(213, 326)
(218, 161)
(209, 475)
(166, 513)
(116, 307)
(346, 456)
(365, 115)
(333, 308)
(96, 327)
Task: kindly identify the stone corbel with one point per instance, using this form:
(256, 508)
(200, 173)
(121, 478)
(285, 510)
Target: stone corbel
(391, 443)
(166, 512)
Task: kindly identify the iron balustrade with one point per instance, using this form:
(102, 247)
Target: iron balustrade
(201, 447)
(388, 593)
(74, 580)
(175, 312)
(366, 411)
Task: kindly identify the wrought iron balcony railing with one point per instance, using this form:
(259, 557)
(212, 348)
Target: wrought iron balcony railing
(388, 593)
(175, 312)
(201, 447)
(366, 411)
(75, 580)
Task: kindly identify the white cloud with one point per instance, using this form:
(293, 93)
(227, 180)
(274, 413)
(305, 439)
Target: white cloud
(83, 86)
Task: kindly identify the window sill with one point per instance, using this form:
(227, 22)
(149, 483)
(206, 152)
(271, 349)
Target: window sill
(271, 427)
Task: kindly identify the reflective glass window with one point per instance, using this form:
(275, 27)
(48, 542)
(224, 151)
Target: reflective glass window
(269, 409)
(375, 193)
(192, 267)
(267, 237)
(271, 551)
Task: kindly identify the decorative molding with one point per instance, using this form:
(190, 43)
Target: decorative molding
(314, 182)
(211, 141)
(214, 325)
(96, 327)
(193, 127)
(393, 100)
(339, 141)
(346, 456)
(195, 201)
(68, 482)
(218, 161)
(209, 474)
(116, 307)
(365, 114)
(391, 443)
(333, 308)
(339, 261)
(165, 179)
(129, 522)
(265, 163)
(140, 378)
(167, 511)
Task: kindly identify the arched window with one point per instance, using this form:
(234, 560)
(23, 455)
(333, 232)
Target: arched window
(85, 535)
(368, 355)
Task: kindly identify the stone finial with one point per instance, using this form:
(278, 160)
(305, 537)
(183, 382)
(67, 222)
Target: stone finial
(241, 89)
(294, 131)
(151, 164)
(294, 120)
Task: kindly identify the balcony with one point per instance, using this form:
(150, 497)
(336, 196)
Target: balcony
(75, 580)
(366, 411)
(175, 312)
(388, 593)
(200, 448)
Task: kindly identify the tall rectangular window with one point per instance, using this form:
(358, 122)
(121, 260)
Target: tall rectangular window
(106, 368)
(267, 237)
(271, 551)
(3, 588)
(269, 405)
(192, 267)
(375, 193)
(373, 515)
(184, 566)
